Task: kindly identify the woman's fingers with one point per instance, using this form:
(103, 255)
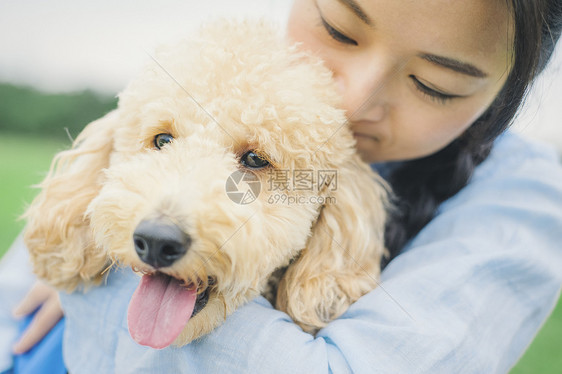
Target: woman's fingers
(44, 320)
(38, 294)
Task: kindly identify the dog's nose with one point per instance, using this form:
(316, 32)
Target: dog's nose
(160, 243)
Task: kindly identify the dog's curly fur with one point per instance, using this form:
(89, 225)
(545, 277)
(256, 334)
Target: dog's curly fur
(257, 94)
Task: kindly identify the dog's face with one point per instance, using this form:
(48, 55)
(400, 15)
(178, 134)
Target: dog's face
(159, 185)
(264, 119)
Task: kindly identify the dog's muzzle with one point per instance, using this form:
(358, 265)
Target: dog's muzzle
(160, 243)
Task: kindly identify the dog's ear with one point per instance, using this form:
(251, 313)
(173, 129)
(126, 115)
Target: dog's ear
(341, 261)
(57, 232)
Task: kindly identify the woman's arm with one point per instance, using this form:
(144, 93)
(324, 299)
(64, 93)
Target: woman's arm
(468, 295)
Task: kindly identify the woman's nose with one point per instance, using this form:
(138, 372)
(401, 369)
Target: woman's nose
(365, 92)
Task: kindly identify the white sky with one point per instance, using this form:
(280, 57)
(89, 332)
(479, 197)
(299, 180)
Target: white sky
(62, 45)
(70, 45)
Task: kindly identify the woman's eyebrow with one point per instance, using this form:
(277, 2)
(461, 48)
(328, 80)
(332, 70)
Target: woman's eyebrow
(446, 62)
(455, 65)
(356, 9)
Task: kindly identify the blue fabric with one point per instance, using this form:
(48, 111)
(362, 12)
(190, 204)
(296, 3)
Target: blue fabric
(46, 356)
(467, 295)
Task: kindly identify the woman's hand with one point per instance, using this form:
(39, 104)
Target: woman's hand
(50, 312)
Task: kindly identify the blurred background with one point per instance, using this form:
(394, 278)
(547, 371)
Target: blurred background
(63, 62)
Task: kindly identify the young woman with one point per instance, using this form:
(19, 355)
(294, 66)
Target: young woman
(430, 88)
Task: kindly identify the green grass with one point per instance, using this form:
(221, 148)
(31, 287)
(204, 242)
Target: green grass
(545, 354)
(24, 160)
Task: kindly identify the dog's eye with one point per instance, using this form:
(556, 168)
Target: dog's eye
(161, 140)
(253, 160)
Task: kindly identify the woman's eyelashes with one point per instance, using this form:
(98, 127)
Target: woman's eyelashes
(435, 95)
(335, 34)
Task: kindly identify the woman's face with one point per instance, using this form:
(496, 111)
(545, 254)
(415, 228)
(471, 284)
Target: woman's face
(414, 75)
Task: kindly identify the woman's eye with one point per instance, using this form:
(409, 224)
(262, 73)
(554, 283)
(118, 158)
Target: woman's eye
(336, 35)
(253, 160)
(441, 97)
(161, 140)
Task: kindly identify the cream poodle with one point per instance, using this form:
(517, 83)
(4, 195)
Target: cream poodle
(226, 171)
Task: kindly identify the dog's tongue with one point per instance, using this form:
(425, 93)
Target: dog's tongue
(159, 310)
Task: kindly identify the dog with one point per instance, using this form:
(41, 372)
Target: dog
(152, 185)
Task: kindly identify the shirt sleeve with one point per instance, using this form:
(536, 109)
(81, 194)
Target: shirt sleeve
(467, 295)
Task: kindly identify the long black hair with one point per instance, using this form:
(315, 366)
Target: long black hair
(421, 185)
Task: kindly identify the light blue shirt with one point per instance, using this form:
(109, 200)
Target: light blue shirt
(467, 295)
